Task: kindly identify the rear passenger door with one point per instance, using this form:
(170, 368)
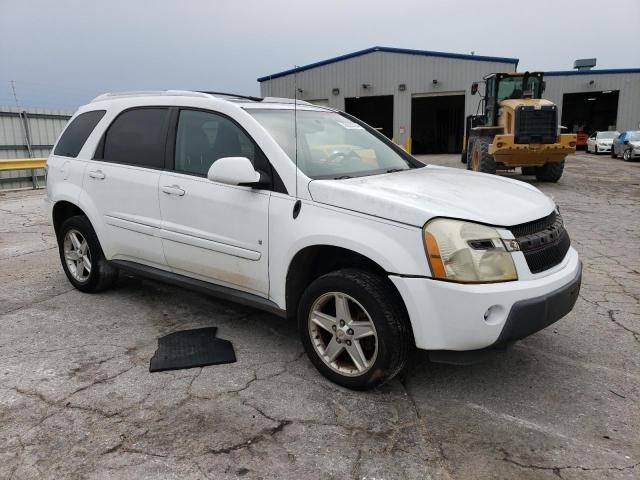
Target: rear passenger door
(212, 231)
(122, 182)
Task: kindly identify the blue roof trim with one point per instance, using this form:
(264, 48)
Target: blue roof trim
(424, 53)
(563, 73)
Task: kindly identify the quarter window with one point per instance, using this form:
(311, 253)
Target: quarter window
(137, 137)
(74, 136)
(203, 137)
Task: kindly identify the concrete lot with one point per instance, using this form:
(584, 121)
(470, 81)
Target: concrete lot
(77, 400)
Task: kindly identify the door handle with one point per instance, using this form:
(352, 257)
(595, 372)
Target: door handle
(97, 174)
(173, 190)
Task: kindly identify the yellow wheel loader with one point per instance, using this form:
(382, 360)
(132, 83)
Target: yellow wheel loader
(516, 128)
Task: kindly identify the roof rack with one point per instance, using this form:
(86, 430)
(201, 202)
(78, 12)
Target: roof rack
(286, 100)
(234, 95)
(148, 93)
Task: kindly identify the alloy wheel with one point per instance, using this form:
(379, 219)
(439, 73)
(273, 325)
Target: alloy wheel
(343, 334)
(77, 255)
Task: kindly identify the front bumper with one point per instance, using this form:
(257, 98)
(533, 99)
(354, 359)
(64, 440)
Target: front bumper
(512, 154)
(604, 148)
(453, 316)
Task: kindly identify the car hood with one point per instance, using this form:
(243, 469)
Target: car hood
(415, 196)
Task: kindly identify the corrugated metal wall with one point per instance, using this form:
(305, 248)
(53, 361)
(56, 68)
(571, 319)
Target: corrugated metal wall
(43, 126)
(384, 71)
(627, 83)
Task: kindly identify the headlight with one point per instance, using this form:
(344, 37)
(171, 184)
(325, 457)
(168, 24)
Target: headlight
(467, 252)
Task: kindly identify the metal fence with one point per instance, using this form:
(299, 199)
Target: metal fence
(27, 133)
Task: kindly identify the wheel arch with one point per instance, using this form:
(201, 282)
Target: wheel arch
(313, 261)
(62, 210)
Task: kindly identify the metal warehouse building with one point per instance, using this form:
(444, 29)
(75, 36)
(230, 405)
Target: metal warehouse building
(420, 98)
(591, 100)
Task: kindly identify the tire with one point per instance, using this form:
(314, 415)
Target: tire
(613, 152)
(528, 171)
(595, 151)
(99, 274)
(374, 303)
(550, 172)
(626, 155)
(481, 160)
(463, 157)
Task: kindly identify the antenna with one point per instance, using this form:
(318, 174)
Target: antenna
(295, 119)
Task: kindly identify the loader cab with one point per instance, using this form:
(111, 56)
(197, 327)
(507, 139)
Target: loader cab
(509, 86)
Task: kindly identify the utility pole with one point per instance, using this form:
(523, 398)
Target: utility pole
(24, 122)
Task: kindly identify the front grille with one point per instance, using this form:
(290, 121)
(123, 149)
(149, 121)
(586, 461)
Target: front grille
(544, 242)
(536, 125)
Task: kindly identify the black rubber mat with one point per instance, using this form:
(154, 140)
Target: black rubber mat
(191, 348)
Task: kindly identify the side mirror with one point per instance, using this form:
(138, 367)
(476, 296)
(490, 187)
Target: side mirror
(474, 88)
(626, 142)
(234, 171)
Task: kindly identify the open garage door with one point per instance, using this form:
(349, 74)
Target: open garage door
(437, 123)
(590, 111)
(376, 111)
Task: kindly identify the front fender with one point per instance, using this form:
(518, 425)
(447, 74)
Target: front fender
(394, 247)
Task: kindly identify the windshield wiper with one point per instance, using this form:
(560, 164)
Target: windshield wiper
(393, 170)
(343, 177)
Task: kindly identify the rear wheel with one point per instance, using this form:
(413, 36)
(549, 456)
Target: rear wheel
(82, 258)
(354, 328)
(481, 160)
(550, 172)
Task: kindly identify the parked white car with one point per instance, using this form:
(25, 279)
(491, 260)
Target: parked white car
(310, 214)
(600, 142)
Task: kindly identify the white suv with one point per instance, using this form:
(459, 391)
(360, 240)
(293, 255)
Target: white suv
(308, 213)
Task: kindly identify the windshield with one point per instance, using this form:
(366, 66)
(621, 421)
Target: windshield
(607, 134)
(511, 87)
(331, 145)
(633, 135)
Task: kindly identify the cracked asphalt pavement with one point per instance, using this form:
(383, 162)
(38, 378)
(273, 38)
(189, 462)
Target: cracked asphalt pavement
(77, 399)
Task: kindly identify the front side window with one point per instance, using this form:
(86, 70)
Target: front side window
(137, 137)
(204, 137)
(74, 136)
(330, 145)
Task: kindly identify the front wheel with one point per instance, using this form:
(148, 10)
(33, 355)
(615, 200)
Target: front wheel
(613, 152)
(354, 328)
(595, 150)
(626, 155)
(82, 258)
(550, 172)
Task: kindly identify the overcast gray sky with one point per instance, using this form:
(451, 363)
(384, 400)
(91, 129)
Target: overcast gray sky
(62, 53)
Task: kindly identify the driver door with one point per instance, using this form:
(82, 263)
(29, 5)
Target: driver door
(212, 231)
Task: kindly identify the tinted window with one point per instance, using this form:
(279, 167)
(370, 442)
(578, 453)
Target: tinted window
(77, 133)
(137, 137)
(202, 138)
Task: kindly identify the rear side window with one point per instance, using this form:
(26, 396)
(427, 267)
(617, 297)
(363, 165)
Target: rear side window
(137, 137)
(77, 132)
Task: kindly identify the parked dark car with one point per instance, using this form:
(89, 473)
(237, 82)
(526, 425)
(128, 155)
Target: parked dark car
(627, 144)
